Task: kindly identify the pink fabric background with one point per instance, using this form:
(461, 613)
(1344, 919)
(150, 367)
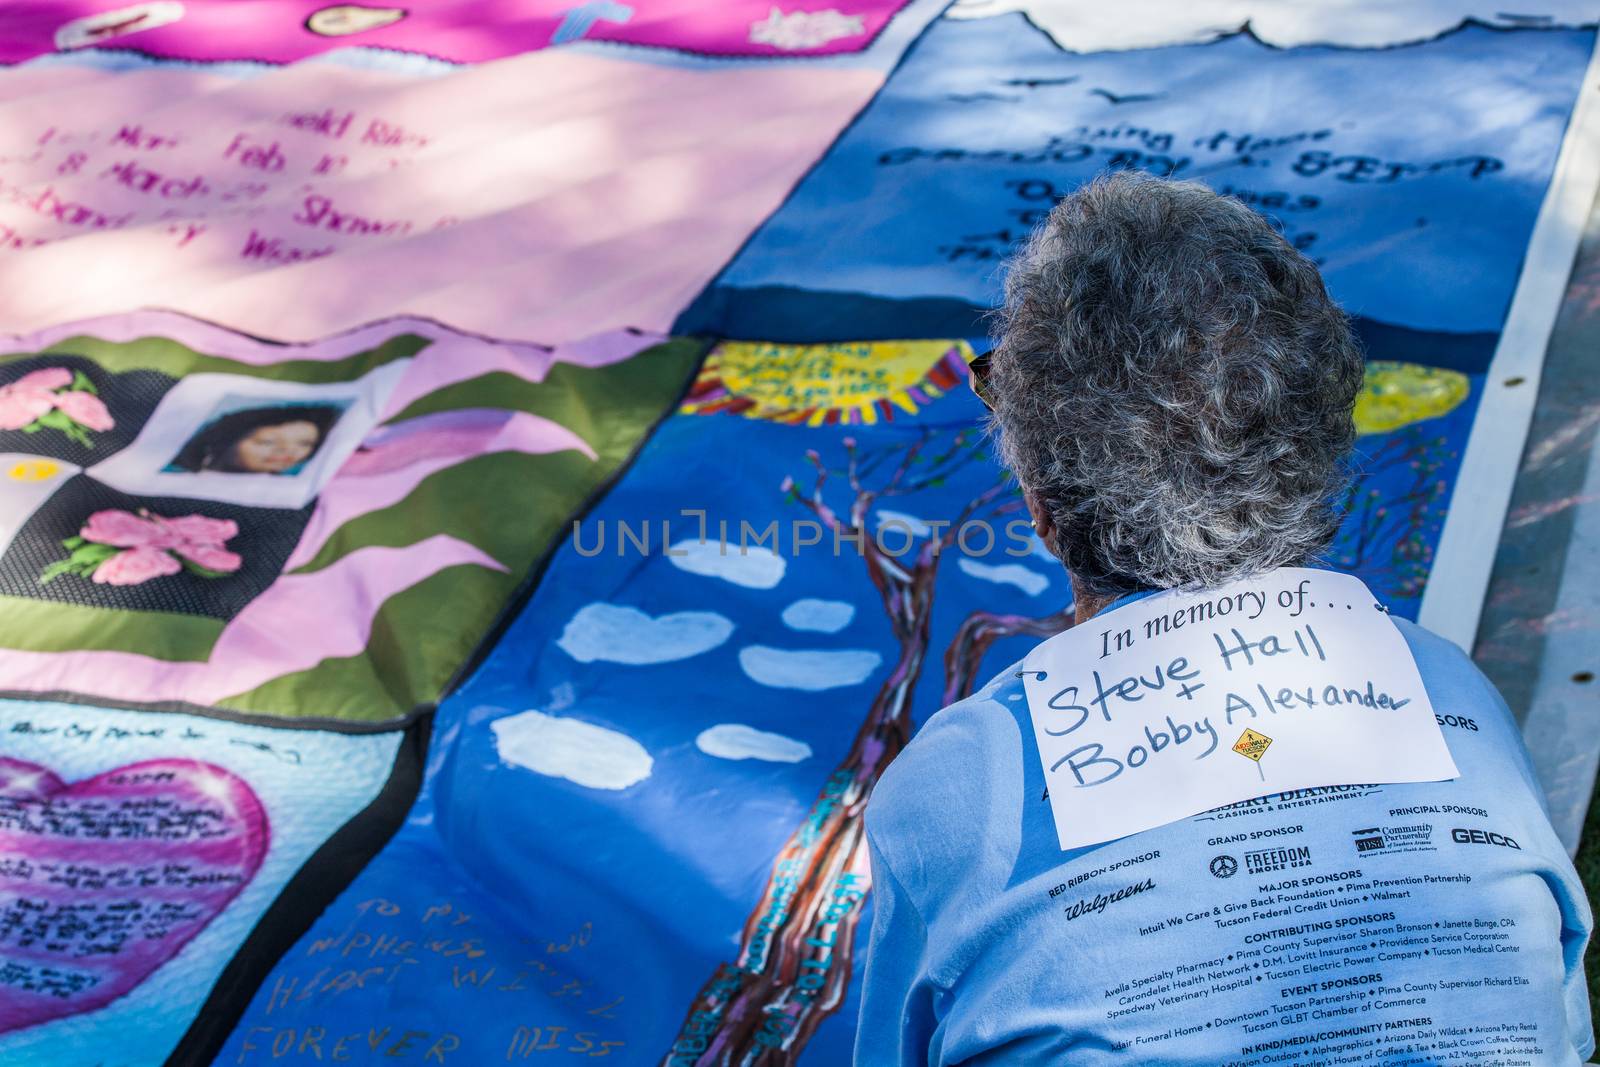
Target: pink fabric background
(550, 196)
(463, 31)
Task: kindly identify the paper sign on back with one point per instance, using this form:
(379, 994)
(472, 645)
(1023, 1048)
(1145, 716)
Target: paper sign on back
(1183, 702)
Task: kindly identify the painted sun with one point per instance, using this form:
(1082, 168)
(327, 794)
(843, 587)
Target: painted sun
(1398, 394)
(850, 383)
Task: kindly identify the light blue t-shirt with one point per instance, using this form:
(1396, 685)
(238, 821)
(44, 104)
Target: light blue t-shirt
(1432, 923)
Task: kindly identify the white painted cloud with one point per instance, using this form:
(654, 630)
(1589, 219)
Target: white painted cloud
(1029, 581)
(901, 522)
(811, 669)
(578, 751)
(731, 740)
(818, 616)
(616, 634)
(1089, 27)
(793, 31)
(753, 567)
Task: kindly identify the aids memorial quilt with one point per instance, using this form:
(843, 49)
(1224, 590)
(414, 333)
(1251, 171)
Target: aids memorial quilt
(486, 489)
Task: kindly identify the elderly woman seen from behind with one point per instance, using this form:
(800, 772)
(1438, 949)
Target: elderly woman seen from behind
(1172, 388)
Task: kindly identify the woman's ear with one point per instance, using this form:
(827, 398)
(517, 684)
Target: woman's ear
(1043, 524)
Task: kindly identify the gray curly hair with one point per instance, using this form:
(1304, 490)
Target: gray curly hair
(1173, 384)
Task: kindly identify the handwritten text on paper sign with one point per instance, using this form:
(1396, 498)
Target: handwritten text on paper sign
(1132, 709)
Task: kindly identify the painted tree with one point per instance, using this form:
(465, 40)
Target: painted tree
(795, 952)
(963, 659)
(1393, 511)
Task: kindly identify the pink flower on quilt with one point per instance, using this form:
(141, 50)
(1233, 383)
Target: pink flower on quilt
(30, 396)
(136, 566)
(56, 398)
(153, 546)
(85, 409)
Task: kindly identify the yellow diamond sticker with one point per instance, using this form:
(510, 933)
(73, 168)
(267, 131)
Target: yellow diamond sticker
(34, 470)
(1252, 745)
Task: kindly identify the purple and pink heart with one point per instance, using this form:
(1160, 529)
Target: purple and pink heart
(104, 880)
